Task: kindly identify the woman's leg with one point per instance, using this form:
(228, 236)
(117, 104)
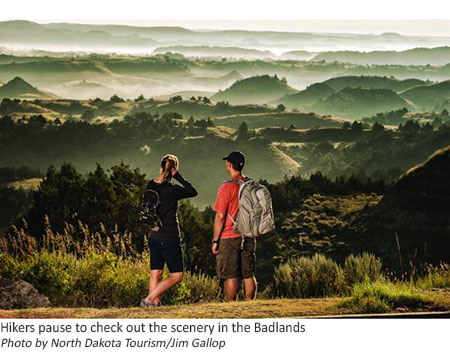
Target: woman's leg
(169, 252)
(155, 276)
(164, 285)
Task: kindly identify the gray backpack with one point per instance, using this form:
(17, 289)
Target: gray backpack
(255, 216)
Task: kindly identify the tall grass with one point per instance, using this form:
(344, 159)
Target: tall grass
(76, 240)
(435, 277)
(81, 268)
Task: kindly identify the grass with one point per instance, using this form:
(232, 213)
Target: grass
(275, 308)
(436, 278)
(384, 297)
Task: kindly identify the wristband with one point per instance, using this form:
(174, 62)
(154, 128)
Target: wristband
(215, 241)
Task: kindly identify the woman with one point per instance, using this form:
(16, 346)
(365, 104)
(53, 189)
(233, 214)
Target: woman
(164, 244)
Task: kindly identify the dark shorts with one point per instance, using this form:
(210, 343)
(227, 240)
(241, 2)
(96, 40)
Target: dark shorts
(232, 262)
(166, 252)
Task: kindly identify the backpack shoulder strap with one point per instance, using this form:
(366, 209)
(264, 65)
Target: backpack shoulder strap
(232, 181)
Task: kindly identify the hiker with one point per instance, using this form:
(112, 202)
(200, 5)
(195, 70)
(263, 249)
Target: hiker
(164, 241)
(233, 262)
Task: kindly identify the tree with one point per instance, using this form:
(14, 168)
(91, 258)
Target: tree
(242, 132)
(357, 126)
(206, 100)
(116, 99)
(281, 108)
(175, 98)
(377, 127)
(38, 120)
(410, 128)
(140, 98)
(346, 125)
(58, 197)
(88, 115)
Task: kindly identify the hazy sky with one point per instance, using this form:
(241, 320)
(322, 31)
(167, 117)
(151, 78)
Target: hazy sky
(405, 27)
(345, 16)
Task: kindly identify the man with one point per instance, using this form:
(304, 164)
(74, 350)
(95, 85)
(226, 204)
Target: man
(235, 257)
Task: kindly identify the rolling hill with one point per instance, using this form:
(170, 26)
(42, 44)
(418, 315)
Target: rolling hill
(358, 103)
(215, 51)
(84, 90)
(429, 96)
(20, 89)
(412, 220)
(32, 34)
(372, 82)
(416, 56)
(276, 119)
(307, 97)
(254, 90)
(298, 55)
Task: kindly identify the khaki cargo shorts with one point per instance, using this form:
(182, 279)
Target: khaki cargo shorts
(232, 262)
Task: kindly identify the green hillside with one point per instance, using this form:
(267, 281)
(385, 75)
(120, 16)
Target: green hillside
(61, 70)
(215, 51)
(415, 211)
(372, 82)
(19, 88)
(358, 103)
(257, 90)
(299, 120)
(307, 97)
(416, 56)
(198, 108)
(429, 96)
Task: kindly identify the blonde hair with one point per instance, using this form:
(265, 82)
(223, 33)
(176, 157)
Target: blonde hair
(168, 162)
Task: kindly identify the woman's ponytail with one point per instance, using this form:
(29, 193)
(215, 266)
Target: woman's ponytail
(168, 162)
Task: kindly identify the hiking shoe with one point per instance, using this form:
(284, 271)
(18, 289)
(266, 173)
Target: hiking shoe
(145, 303)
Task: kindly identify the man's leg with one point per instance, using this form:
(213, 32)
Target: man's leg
(250, 287)
(231, 289)
(248, 262)
(228, 264)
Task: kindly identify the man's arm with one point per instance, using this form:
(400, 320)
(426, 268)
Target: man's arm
(219, 222)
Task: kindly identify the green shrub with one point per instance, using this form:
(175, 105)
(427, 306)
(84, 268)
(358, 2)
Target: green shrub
(101, 280)
(202, 288)
(382, 296)
(49, 272)
(92, 280)
(361, 268)
(316, 276)
(8, 266)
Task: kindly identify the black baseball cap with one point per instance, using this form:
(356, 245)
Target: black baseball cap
(236, 157)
